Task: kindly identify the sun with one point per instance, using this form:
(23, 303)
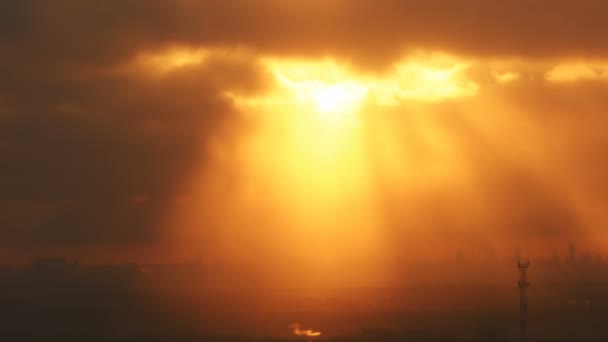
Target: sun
(326, 88)
(334, 103)
(338, 98)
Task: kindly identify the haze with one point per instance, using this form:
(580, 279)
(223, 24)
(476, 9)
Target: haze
(317, 144)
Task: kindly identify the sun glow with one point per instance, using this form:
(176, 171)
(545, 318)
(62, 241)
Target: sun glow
(326, 137)
(338, 97)
(323, 118)
(334, 102)
(338, 90)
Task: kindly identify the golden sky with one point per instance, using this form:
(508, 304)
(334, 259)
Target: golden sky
(321, 130)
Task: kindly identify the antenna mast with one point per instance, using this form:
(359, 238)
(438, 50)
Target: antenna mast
(523, 295)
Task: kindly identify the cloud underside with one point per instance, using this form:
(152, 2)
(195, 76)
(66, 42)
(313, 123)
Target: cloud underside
(98, 141)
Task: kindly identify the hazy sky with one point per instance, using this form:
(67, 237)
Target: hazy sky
(266, 127)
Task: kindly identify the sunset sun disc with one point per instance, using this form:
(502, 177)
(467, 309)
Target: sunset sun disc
(338, 98)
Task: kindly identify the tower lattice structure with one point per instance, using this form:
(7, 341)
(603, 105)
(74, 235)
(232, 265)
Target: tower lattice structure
(523, 296)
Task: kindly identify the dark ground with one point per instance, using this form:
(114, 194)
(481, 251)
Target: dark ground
(120, 303)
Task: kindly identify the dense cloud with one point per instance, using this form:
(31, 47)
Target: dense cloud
(82, 126)
(104, 32)
(94, 147)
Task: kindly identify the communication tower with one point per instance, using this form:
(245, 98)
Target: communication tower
(523, 295)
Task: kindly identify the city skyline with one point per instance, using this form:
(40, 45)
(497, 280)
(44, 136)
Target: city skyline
(353, 168)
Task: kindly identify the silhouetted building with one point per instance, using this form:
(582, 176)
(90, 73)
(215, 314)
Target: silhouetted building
(53, 267)
(459, 255)
(555, 258)
(492, 335)
(572, 252)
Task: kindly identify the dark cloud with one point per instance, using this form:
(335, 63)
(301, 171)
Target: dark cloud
(97, 32)
(63, 33)
(110, 127)
(85, 125)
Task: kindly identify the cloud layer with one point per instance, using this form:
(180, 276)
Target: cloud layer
(103, 124)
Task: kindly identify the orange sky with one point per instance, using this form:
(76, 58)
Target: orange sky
(326, 131)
